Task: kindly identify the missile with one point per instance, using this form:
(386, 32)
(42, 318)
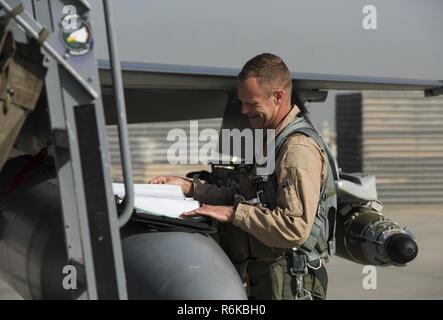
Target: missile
(363, 234)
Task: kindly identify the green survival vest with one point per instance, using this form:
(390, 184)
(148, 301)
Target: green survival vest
(321, 241)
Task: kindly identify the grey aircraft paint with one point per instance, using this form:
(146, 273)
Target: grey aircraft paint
(315, 36)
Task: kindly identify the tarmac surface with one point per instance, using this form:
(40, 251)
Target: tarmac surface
(421, 279)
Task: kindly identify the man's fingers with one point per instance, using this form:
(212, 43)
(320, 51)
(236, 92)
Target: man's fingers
(158, 180)
(153, 180)
(197, 212)
(205, 210)
(189, 214)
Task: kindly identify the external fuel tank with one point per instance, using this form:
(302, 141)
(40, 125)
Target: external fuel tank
(159, 265)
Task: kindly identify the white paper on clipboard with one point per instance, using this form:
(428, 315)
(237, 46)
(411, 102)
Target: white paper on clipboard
(159, 199)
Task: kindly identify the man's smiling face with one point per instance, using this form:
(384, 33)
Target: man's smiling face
(260, 107)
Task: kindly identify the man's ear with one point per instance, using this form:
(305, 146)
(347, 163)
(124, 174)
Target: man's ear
(278, 96)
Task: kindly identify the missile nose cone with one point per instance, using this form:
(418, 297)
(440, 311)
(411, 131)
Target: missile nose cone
(401, 248)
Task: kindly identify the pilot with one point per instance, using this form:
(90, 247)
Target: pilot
(268, 245)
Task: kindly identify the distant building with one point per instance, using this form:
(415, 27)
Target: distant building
(328, 136)
(397, 136)
(149, 146)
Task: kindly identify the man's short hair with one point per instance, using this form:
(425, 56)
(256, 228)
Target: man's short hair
(270, 70)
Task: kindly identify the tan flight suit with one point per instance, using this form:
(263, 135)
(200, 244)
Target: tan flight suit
(258, 239)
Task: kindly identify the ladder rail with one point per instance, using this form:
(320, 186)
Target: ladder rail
(125, 154)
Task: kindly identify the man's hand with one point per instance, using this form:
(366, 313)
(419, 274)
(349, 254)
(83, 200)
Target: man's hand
(219, 213)
(185, 184)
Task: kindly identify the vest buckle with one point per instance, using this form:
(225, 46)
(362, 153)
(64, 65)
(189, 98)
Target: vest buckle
(299, 263)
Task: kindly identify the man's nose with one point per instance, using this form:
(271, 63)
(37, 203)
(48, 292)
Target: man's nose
(244, 108)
